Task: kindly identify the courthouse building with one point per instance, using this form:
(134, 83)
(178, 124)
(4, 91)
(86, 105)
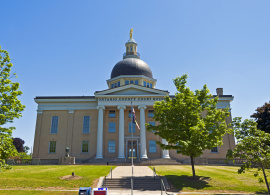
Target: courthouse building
(100, 126)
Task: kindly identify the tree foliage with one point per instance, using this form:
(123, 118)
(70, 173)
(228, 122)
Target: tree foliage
(18, 143)
(10, 106)
(262, 117)
(253, 146)
(182, 124)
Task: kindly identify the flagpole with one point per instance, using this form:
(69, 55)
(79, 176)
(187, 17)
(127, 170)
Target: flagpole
(131, 112)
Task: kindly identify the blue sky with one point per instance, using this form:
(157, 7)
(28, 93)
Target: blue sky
(67, 48)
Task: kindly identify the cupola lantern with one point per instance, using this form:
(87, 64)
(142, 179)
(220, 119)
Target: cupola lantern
(131, 48)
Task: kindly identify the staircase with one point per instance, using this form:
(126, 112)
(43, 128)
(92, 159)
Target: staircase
(139, 183)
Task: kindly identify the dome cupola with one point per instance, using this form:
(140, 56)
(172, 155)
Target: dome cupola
(131, 48)
(131, 70)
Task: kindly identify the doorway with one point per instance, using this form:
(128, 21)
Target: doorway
(129, 148)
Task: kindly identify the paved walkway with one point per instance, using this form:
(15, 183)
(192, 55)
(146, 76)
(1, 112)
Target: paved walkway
(138, 171)
(137, 192)
(126, 171)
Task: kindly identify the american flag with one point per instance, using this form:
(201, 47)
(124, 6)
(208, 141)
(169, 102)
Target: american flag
(134, 118)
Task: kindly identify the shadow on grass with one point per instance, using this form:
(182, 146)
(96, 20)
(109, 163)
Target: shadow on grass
(262, 192)
(185, 181)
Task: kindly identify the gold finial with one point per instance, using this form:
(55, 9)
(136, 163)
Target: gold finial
(131, 33)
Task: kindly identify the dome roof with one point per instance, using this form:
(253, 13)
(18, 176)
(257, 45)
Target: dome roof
(131, 66)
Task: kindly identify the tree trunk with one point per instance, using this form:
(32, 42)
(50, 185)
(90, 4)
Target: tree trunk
(265, 179)
(193, 168)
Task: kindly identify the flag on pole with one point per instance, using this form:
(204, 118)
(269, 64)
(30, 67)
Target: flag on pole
(134, 117)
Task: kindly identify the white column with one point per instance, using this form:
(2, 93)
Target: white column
(165, 153)
(142, 131)
(100, 132)
(121, 153)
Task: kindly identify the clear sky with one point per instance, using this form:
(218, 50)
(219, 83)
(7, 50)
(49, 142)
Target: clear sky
(68, 48)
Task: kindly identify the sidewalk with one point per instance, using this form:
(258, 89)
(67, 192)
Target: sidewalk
(137, 192)
(126, 171)
(138, 171)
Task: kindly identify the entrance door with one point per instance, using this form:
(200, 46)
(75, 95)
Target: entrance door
(130, 149)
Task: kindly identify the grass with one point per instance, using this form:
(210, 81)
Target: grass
(211, 178)
(30, 192)
(48, 177)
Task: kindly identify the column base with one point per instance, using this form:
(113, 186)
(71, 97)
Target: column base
(144, 156)
(167, 156)
(99, 156)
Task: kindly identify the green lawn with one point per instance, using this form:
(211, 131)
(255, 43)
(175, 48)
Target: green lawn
(211, 178)
(30, 192)
(43, 176)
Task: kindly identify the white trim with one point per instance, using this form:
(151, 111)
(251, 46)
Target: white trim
(131, 76)
(153, 90)
(50, 100)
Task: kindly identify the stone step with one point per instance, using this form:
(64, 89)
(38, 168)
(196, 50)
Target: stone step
(139, 184)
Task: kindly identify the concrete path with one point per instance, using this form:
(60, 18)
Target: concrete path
(138, 171)
(126, 171)
(137, 192)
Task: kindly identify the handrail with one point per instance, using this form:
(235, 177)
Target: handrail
(154, 172)
(111, 172)
(162, 185)
(105, 182)
(131, 186)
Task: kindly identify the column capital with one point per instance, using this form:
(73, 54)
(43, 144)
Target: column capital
(71, 111)
(121, 107)
(39, 111)
(101, 107)
(142, 107)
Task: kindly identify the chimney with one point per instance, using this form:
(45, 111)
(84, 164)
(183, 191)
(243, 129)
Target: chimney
(219, 91)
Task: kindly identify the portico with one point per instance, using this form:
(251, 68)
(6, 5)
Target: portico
(142, 101)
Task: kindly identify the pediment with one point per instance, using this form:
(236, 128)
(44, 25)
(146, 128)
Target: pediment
(132, 90)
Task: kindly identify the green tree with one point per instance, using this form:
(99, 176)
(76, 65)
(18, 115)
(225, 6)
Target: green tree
(253, 146)
(10, 107)
(262, 117)
(182, 124)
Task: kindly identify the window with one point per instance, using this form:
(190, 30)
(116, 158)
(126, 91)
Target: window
(127, 48)
(129, 113)
(151, 113)
(126, 82)
(147, 84)
(118, 84)
(111, 85)
(54, 125)
(85, 146)
(86, 124)
(214, 150)
(52, 147)
(111, 146)
(112, 127)
(131, 126)
(131, 82)
(152, 147)
(144, 84)
(153, 124)
(151, 86)
(130, 48)
(112, 113)
(136, 82)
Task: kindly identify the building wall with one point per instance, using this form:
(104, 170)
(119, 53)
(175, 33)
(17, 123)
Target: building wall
(70, 134)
